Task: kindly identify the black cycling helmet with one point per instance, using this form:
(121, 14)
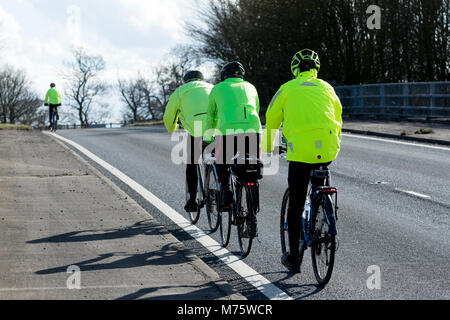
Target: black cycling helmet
(192, 75)
(232, 70)
(52, 85)
(305, 60)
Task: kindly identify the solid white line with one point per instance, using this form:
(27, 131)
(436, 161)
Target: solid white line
(413, 193)
(249, 274)
(396, 142)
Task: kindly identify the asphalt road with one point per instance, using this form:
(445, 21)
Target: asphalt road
(394, 214)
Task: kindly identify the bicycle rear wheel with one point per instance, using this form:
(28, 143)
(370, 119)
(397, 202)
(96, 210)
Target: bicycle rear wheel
(284, 228)
(246, 219)
(323, 247)
(212, 199)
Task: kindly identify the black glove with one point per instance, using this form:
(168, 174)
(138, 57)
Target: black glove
(46, 104)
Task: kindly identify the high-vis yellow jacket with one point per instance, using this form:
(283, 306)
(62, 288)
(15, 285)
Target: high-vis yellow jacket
(233, 108)
(188, 103)
(311, 115)
(53, 97)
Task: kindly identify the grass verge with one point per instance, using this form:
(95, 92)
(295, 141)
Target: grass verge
(143, 124)
(4, 126)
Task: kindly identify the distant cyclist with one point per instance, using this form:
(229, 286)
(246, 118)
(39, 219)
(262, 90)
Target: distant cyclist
(233, 112)
(189, 103)
(311, 115)
(53, 101)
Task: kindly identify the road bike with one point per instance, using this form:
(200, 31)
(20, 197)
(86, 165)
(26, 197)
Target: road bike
(318, 224)
(54, 120)
(245, 188)
(208, 192)
(200, 197)
(212, 192)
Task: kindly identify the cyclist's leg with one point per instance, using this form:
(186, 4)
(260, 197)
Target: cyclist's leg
(50, 109)
(223, 157)
(298, 178)
(191, 168)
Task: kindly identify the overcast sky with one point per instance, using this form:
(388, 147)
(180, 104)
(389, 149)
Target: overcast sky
(131, 35)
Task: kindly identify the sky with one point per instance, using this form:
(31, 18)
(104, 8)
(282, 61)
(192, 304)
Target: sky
(131, 35)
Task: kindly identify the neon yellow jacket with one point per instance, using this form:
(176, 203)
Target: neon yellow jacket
(233, 108)
(53, 97)
(189, 103)
(311, 114)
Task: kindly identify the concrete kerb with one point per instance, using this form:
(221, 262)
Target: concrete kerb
(195, 261)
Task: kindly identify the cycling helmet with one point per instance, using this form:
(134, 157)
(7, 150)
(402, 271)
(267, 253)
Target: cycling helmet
(52, 85)
(232, 70)
(305, 60)
(192, 75)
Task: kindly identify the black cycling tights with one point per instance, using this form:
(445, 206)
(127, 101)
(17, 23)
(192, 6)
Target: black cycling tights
(298, 179)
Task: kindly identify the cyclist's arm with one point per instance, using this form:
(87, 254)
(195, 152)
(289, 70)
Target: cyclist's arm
(47, 97)
(338, 115)
(59, 98)
(172, 112)
(274, 119)
(211, 118)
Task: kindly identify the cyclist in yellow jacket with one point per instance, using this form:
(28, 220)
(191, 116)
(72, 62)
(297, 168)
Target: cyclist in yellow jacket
(53, 100)
(233, 114)
(189, 103)
(311, 115)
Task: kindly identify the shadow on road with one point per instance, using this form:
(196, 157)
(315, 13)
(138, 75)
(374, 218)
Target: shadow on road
(300, 291)
(146, 227)
(202, 292)
(167, 255)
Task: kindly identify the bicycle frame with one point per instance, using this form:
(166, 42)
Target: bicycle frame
(317, 194)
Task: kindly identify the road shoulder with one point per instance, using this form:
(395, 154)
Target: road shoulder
(58, 212)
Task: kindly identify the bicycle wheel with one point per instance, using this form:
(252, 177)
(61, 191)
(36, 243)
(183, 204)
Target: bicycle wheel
(323, 246)
(225, 227)
(284, 228)
(246, 219)
(194, 216)
(212, 199)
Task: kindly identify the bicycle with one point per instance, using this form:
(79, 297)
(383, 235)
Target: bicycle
(318, 225)
(245, 188)
(200, 198)
(54, 117)
(212, 192)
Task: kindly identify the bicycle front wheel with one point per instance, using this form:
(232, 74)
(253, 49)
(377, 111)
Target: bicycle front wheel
(194, 216)
(246, 219)
(323, 246)
(225, 227)
(212, 199)
(284, 228)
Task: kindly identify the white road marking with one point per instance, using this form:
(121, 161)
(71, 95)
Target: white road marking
(396, 142)
(246, 272)
(413, 193)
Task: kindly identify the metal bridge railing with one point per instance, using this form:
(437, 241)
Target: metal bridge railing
(412, 100)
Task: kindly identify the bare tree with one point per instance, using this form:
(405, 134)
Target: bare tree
(84, 86)
(153, 101)
(17, 101)
(133, 97)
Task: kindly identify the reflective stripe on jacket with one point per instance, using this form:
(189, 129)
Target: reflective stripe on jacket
(311, 115)
(188, 103)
